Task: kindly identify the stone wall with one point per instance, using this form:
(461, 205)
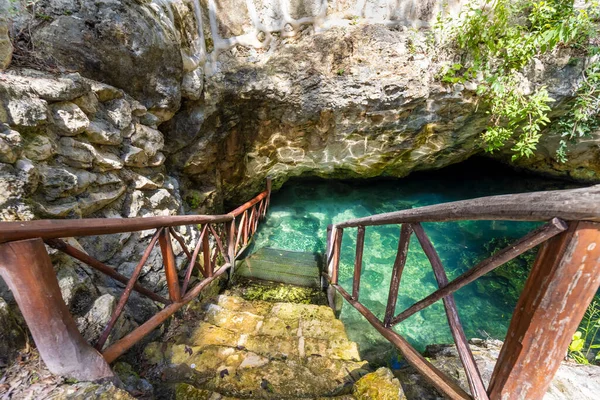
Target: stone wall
(71, 147)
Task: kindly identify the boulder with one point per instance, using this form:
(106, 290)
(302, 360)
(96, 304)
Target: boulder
(69, 119)
(39, 147)
(148, 139)
(122, 43)
(10, 146)
(102, 132)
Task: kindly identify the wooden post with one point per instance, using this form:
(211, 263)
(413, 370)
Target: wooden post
(231, 245)
(399, 262)
(28, 272)
(170, 268)
(337, 249)
(563, 281)
(458, 334)
(206, 254)
(360, 244)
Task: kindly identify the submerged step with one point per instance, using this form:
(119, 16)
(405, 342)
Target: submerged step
(295, 268)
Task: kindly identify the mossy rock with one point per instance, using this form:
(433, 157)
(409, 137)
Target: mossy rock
(379, 385)
(278, 293)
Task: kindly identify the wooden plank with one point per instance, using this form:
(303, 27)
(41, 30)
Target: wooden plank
(59, 228)
(328, 248)
(527, 242)
(219, 243)
(231, 237)
(118, 348)
(27, 270)
(240, 229)
(440, 381)
(569, 205)
(55, 228)
(188, 272)
(399, 263)
(337, 249)
(563, 281)
(246, 206)
(208, 266)
(358, 261)
(105, 269)
(460, 339)
(245, 228)
(182, 244)
(128, 289)
(170, 267)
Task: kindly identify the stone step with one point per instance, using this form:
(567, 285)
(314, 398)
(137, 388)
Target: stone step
(256, 349)
(295, 268)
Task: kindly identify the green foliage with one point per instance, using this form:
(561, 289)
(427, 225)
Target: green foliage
(583, 118)
(584, 340)
(496, 41)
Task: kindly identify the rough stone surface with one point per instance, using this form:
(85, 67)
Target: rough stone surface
(379, 385)
(12, 335)
(122, 43)
(572, 381)
(6, 47)
(242, 348)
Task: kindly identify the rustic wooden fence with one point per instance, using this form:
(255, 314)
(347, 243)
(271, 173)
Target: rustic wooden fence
(26, 267)
(564, 278)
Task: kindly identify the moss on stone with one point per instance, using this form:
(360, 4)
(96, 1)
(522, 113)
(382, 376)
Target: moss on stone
(379, 385)
(275, 292)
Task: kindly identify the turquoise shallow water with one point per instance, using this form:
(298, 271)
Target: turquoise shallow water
(302, 209)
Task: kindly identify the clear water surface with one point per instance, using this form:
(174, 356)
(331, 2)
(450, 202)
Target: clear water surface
(301, 211)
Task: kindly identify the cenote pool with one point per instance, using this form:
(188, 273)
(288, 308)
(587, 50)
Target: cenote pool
(302, 209)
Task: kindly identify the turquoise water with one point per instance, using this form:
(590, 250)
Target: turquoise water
(302, 209)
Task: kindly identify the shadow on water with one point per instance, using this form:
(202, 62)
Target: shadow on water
(301, 211)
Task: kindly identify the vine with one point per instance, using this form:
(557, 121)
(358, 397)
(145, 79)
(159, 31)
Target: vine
(495, 42)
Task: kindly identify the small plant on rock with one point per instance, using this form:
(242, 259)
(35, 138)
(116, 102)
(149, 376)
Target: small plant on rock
(583, 347)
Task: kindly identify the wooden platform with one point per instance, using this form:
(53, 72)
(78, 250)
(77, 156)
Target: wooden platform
(295, 268)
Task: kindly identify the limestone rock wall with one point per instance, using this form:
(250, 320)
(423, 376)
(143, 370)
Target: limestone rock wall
(71, 147)
(333, 88)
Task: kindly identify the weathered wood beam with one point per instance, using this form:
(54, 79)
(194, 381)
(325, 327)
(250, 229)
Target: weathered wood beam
(118, 348)
(208, 267)
(337, 249)
(437, 378)
(128, 289)
(166, 249)
(569, 205)
(27, 270)
(219, 243)
(244, 207)
(399, 263)
(563, 281)
(59, 228)
(193, 262)
(358, 261)
(460, 339)
(527, 242)
(103, 268)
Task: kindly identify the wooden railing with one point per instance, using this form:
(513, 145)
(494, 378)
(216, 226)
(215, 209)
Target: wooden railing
(563, 281)
(26, 267)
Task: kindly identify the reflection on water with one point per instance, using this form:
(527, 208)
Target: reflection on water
(302, 209)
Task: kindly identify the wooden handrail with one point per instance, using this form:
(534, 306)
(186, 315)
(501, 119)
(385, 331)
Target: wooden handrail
(569, 253)
(60, 228)
(569, 205)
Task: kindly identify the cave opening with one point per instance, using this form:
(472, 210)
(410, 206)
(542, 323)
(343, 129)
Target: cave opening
(303, 208)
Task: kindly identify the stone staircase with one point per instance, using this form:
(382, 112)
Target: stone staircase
(236, 348)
